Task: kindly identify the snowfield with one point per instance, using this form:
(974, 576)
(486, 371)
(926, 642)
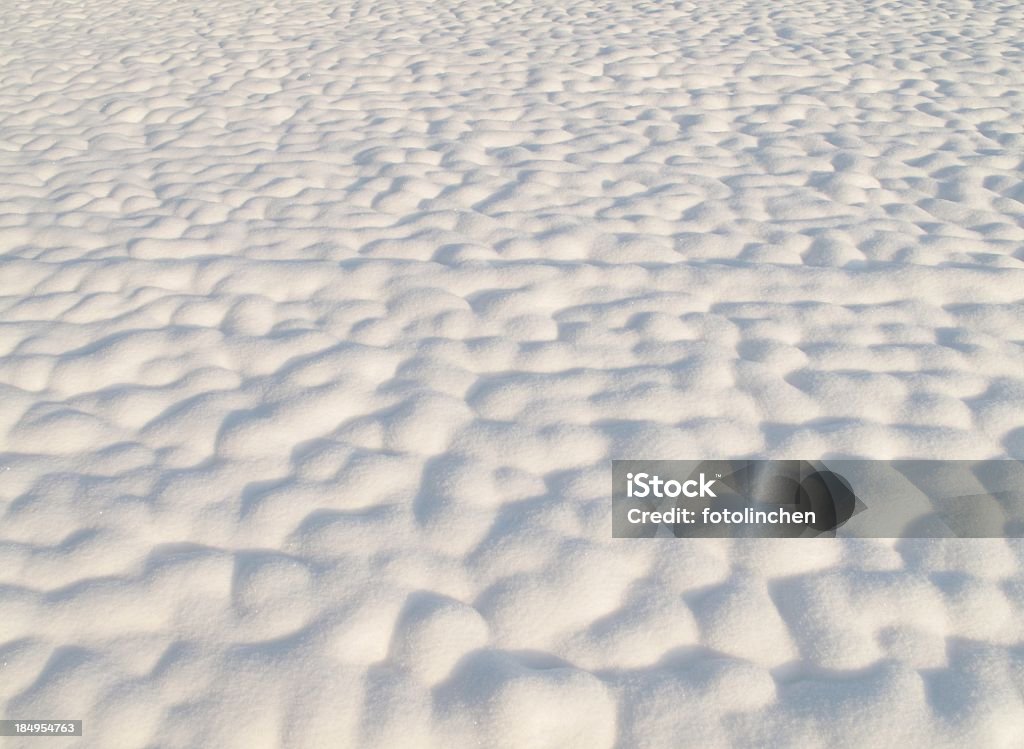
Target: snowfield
(321, 322)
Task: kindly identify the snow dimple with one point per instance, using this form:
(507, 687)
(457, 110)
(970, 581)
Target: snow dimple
(320, 322)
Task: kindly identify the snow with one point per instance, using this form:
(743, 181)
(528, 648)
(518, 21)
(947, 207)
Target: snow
(320, 324)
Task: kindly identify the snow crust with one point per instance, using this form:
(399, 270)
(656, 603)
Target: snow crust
(320, 323)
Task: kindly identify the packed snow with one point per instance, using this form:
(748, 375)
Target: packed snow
(321, 322)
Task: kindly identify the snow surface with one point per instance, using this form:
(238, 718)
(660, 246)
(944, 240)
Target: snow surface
(320, 323)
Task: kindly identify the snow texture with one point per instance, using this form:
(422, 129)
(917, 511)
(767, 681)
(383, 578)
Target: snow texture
(320, 323)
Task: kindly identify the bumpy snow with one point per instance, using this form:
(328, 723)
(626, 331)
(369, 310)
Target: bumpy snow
(320, 323)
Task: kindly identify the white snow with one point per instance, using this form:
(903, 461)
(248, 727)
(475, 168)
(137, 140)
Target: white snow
(320, 323)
